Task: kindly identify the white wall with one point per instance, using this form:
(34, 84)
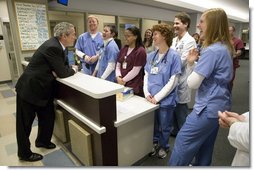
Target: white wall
(112, 7)
(77, 19)
(5, 73)
(4, 12)
(236, 10)
(193, 24)
(147, 24)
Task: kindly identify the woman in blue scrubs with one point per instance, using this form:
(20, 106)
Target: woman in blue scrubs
(211, 78)
(89, 45)
(105, 68)
(162, 70)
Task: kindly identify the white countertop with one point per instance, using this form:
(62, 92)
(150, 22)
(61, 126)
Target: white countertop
(132, 108)
(127, 110)
(92, 86)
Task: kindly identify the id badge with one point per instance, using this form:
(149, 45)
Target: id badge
(154, 70)
(124, 65)
(180, 48)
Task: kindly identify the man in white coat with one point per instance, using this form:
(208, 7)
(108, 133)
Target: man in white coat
(238, 135)
(182, 43)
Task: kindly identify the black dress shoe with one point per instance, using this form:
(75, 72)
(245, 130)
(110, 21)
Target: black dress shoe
(32, 158)
(48, 146)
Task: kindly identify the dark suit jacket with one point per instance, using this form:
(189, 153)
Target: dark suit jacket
(37, 84)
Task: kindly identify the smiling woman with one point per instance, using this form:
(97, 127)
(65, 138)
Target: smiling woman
(105, 68)
(212, 75)
(131, 61)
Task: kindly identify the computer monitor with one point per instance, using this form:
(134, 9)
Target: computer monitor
(63, 2)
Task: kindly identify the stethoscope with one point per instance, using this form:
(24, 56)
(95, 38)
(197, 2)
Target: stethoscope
(164, 58)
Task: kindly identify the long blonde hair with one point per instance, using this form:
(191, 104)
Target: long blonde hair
(217, 28)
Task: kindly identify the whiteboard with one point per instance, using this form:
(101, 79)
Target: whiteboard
(32, 25)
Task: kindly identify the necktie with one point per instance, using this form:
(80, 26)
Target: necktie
(66, 61)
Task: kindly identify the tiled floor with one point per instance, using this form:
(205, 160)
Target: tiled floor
(8, 145)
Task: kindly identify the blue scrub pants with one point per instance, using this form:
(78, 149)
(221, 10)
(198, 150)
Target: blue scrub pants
(195, 139)
(179, 117)
(163, 119)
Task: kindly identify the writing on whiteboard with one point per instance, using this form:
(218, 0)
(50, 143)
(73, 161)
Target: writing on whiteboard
(32, 24)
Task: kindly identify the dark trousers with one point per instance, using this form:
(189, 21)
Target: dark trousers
(25, 115)
(232, 81)
(235, 66)
(179, 117)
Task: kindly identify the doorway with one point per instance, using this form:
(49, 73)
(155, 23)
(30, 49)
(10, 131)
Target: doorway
(7, 35)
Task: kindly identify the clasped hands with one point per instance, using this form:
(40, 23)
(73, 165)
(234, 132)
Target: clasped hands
(151, 99)
(226, 119)
(74, 67)
(120, 80)
(91, 59)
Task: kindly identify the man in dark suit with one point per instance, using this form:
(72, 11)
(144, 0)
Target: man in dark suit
(35, 91)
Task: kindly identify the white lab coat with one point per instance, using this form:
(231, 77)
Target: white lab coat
(183, 47)
(239, 138)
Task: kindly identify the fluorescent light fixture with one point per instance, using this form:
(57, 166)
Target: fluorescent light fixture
(230, 6)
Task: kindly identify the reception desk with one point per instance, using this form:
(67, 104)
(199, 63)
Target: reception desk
(117, 133)
(121, 132)
(135, 122)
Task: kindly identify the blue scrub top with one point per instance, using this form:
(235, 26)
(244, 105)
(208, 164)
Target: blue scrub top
(215, 64)
(89, 46)
(169, 65)
(109, 54)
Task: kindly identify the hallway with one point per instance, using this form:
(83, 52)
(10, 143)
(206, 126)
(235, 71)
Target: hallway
(58, 157)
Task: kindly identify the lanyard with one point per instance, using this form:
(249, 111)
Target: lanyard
(108, 43)
(103, 49)
(125, 56)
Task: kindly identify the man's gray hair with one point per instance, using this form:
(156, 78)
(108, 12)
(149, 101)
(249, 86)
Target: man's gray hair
(62, 28)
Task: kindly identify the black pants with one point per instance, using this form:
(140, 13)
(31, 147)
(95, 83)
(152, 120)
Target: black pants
(179, 117)
(25, 115)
